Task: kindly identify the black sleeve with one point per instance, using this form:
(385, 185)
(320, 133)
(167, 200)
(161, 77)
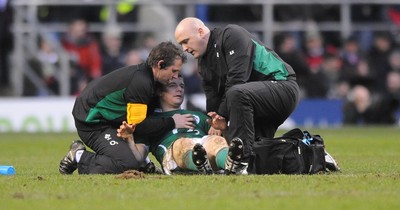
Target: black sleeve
(237, 48)
(152, 128)
(212, 98)
(209, 82)
(140, 89)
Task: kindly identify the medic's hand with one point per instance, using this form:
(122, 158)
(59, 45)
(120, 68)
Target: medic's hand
(218, 122)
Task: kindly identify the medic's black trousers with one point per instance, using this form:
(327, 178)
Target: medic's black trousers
(259, 108)
(112, 154)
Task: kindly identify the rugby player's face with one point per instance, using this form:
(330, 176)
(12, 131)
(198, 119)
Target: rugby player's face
(174, 93)
(171, 72)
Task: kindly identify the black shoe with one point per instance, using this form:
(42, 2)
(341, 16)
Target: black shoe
(68, 164)
(233, 162)
(151, 168)
(200, 159)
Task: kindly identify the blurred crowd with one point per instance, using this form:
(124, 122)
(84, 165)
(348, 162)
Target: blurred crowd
(367, 80)
(89, 57)
(363, 69)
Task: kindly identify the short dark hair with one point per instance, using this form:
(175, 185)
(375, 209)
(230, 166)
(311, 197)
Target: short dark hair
(162, 88)
(166, 51)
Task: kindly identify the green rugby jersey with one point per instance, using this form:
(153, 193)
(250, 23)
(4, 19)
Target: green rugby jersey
(200, 130)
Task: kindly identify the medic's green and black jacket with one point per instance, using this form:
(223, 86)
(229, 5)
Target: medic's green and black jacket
(235, 56)
(124, 94)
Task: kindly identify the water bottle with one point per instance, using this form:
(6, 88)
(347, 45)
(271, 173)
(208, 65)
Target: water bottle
(7, 170)
(307, 139)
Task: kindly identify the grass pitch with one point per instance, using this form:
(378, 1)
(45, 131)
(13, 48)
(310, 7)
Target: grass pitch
(370, 179)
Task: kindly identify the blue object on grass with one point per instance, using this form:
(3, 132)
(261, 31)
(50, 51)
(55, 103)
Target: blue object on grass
(7, 170)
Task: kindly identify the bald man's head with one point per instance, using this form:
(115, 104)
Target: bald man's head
(192, 35)
(189, 23)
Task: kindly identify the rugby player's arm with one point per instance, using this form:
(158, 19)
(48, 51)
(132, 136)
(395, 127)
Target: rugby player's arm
(140, 151)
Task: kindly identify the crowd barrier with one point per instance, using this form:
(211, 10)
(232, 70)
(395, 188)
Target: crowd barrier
(318, 113)
(36, 114)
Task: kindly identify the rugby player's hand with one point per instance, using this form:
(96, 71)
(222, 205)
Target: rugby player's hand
(184, 121)
(125, 130)
(217, 121)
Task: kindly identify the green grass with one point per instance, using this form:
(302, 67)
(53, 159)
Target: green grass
(369, 158)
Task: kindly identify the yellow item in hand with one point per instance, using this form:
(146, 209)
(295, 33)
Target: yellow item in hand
(136, 113)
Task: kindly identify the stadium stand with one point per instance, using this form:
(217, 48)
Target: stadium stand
(329, 27)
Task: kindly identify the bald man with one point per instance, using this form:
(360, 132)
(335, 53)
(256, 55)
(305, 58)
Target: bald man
(250, 90)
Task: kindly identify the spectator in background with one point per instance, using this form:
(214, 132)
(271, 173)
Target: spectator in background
(351, 56)
(86, 53)
(288, 52)
(133, 57)
(393, 83)
(148, 43)
(112, 53)
(329, 80)
(314, 50)
(46, 64)
(364, 106)
(393, 79)
(356, 105)
(392, 93)
(335, 81)
(324, 66)
(394, 60)
(362, 75)
(378, 58)
(316, 85)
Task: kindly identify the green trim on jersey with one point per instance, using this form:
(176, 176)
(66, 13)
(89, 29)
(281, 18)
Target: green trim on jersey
(266, 63)
(110, 107)
(200, 130)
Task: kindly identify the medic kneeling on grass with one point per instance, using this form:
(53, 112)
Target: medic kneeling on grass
(125, 94)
